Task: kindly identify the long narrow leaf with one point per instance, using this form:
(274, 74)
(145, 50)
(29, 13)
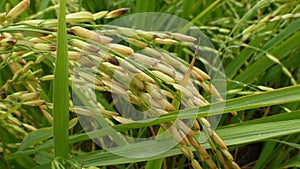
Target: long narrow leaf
(276, 97)
(231, 136)
(61, 90)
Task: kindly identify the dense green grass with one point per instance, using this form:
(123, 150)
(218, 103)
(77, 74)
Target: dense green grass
(257, 41)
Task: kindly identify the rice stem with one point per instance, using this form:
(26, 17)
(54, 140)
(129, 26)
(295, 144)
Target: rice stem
(61, 88)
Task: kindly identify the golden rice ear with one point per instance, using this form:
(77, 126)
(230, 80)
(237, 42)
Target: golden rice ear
(218, 140)
(49, 23)
(167, 94)
(117, 12)
(44, 47)
(145, 59)
(136, 42)
(17, 95)
(47, 78)
(7, 42)
(34, 103)
(198, 72)
(144, 77)
(29, 127)
(165, 41)
(166, 69)
(204, 122)
(145, 35)
(171, 60)
(196, 164)
(187, 152)
(127, 51)
(152, 52)
(29, 96)
(210, 163)
(33, 22)
(84, 45)
(235, 165)
(220, 158)
(184, 91)
(128, 66)
(18, 9)
(163, 76)
(80, 17)
(227, 154)
(183, 37)
(41, 39)
(90, 35)
(74, 55)
(100, 14)
(133, 98)
(137, 83)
